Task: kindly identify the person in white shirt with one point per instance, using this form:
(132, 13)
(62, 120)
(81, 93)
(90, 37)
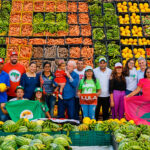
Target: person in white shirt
(102, 73)
(130, 76)
(142, 64)
(80, 71)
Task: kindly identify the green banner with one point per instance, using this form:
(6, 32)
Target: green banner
(24, 109)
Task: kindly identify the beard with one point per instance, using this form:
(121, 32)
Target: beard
(14, 61)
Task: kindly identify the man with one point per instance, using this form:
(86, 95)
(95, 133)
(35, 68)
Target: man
(80, 71)
(103, 74)
(142, 64)
(15, 71)
(69, 92)
(4, 78)
(19, 93)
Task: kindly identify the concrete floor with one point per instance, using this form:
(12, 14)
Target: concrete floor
(92, 147)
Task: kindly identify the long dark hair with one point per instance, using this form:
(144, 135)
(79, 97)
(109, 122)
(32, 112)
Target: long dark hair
(114, 75)
(42, 98)
(126, 69)
(93, 77)
(146, 72)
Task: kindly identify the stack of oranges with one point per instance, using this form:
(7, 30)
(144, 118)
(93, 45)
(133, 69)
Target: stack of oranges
(135, 19)
(127, 53)
(133, 7)
(125, 31)
(124, 20)
(129, 41)
(139, 52)
(144, 7)
(144, 41)
(137, 31)
(122, 7)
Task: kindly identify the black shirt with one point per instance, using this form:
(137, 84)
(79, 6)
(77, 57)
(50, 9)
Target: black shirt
(115, 84)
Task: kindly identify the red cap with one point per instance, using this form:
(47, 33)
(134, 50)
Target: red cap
(13, 53)
(1, 60)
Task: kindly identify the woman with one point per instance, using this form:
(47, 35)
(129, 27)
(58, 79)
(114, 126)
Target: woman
(130, 76)
(144, 85)
(44, 107)
(46, 80)
(30, 81)
(89, 85)
(117, 88)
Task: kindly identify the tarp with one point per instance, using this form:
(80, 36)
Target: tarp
(137, 108)
(24, 109)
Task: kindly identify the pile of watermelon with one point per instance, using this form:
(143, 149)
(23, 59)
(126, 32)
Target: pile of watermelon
(42, 141)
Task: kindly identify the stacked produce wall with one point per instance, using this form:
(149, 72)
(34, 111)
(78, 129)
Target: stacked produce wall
(45, 30)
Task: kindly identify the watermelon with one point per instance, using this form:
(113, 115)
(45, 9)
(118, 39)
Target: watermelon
(62, 141)
(38, 136)
(22, 141)
(2, 139)
(29, 136)
(54, 146)
(7, 126)
(31, 125)
(24, 147)
(10, 137)
(33, 148)
(9, 143)
(47, 129)
(47, 140)
(35, 141)
(39, 122)
(22, 129)
(38, 128)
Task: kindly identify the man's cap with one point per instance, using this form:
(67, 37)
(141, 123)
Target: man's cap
(19, 87)
(118, 64)
(1, 60)
(88, 68)
(38, 89)
(13, 53)
(102, 59)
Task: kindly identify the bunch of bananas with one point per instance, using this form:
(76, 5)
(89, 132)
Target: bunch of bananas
(83, 127)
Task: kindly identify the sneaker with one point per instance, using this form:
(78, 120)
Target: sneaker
(60, 96)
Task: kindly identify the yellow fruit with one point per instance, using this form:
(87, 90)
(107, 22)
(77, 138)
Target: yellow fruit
(92, 121)
(25, 119)
(123, 120)
(119, 4)
(130, 4)
(86, 120)
(127, 27)
(133, 14)
(121, 28)
(99, 121)
(146, 5)
(135, 50)
(1, 122)
(124, 3)
(131, 121)
(135, 4)
(3, 87)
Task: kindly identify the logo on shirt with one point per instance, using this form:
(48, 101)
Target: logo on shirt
(26, 114)
(14, 75)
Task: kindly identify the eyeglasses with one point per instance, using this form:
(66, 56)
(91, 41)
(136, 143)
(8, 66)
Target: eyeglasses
(147, 72)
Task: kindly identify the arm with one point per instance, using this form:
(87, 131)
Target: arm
(47, 114)
(73, 80)
(79, 92)
(3, 109)
(111, 92)
(111, 100)
(136, 91)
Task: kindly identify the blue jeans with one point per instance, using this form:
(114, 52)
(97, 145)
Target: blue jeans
(66, 103)
(50, 100)
(88, 111)
(128, 92)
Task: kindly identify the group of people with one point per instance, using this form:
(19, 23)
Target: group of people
(70, 82)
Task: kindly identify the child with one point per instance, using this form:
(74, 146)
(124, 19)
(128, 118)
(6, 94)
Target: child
(39, 96)
(60, 78)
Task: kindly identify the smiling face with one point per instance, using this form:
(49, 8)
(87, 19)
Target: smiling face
(47, 68)
(89, 73)
(142, 64)
(131, 64)
(80, 65)
(33, 68)
(103, 64)
(20, 94)
(38, 95)
(119, 70)
(63, 67)
(14, 59)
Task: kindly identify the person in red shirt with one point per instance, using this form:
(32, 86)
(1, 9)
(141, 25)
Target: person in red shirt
(60, 78)
(15, 71)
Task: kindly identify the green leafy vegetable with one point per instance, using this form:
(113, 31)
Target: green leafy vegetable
(113, 49)
(99, 48)
(95, 9)
(98, 34)
(97, 21)
(113, 33)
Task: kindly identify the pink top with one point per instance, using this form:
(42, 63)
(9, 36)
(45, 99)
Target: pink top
(145, 85)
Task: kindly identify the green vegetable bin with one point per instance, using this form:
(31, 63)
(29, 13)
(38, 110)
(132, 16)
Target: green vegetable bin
(90, 138)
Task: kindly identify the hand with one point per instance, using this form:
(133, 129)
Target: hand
(3, 105)
(112, 103)
(68, 74)
(127, 96)
(79, 94)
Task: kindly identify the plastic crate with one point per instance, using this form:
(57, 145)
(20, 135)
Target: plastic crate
(90, 138)
(114, 143)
